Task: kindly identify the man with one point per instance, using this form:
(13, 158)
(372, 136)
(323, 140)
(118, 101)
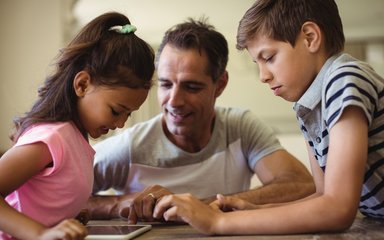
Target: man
(193, 146)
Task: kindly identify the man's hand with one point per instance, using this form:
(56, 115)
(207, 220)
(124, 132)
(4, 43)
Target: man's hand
(141, 206)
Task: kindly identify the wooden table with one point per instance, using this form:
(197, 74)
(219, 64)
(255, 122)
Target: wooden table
(362, 228)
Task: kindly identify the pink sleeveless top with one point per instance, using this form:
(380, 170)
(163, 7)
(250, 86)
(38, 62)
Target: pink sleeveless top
(60, 191)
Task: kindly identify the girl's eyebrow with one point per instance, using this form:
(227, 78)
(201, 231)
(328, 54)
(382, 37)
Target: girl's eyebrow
(126, 108)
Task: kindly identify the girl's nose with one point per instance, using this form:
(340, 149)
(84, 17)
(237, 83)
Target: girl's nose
(121, 121)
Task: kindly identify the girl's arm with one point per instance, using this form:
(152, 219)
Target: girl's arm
(17, 166)
(333, 210)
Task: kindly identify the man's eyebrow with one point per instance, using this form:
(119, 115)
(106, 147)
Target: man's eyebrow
(163, 80)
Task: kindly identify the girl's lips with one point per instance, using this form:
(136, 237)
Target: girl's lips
(104, 131)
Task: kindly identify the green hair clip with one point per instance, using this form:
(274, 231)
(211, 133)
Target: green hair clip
(128, 28)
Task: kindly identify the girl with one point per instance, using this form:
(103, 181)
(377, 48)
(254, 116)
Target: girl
(46, 177)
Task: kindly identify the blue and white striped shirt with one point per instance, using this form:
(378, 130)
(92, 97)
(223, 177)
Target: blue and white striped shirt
(345, 81)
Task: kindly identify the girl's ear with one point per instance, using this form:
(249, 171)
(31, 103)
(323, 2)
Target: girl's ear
(313, 36)
(81, 83)
(221, 84)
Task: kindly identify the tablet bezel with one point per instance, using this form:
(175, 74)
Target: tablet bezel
(143, 228)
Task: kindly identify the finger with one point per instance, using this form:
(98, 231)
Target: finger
(215, 205)
(138, 207)
(161, 206)
(148, 206)
(171, 214)
(83, 216)
(132, 217)
(230, 203)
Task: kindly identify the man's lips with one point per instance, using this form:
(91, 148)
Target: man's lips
(177, 117)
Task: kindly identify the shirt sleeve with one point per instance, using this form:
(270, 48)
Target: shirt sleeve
(257, 138)
(111, 163)
(347, 86)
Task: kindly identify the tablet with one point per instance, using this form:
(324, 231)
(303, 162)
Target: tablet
(115, 231)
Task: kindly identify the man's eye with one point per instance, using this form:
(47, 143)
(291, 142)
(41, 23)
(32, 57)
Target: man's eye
(165, 85)
(194, 87)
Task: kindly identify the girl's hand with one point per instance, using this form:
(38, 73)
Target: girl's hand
(69, 229)
(83, 216)
(185, 207)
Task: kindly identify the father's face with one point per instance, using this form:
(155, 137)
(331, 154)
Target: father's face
(186, 92)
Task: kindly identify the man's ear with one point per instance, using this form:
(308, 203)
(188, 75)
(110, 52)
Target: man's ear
(221, 84)
(81, 83)
(312, 36)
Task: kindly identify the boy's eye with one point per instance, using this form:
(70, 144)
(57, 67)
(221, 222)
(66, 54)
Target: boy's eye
(269, 58)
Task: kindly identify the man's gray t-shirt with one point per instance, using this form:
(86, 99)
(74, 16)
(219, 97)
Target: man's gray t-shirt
(142, 156)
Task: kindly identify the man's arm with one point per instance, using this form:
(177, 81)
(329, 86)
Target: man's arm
(132, 206)
(284, 179)
(109, 207)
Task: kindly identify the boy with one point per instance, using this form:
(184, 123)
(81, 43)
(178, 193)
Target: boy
(339, 102)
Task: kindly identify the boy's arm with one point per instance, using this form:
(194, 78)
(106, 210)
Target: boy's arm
(334, 210)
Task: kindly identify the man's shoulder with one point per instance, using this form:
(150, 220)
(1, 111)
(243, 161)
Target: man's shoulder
(146, 125)
(222, 112)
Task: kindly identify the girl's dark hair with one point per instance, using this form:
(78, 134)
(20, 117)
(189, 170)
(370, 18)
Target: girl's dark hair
(202, 36)
(111, 58)
(282, 20)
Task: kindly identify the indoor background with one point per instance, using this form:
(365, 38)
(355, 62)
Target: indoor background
(32, 32)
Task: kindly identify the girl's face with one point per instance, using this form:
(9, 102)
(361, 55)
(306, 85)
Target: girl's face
(288, 70)
(103, 108)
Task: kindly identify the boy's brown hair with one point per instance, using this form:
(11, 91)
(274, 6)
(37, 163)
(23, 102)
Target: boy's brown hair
(282, 20)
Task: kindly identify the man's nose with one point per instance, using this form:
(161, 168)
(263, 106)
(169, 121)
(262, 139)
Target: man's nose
(176, 97)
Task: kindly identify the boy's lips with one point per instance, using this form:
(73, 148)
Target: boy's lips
(276, 90)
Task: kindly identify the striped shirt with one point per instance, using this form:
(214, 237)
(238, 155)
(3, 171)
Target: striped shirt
(345, 81)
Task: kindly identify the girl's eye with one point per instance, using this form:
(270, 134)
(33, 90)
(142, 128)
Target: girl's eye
(114, 113)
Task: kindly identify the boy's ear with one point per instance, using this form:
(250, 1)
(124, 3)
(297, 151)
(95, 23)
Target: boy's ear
(221, 84)
(81, 83)
(313, 36)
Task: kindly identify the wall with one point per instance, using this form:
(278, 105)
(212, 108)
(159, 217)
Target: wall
(31, 35)
(33, 31)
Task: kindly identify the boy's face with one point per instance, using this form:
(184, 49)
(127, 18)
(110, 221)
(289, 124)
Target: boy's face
(288, 71)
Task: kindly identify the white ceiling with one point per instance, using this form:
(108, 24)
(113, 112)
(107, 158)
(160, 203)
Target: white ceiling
(362, 19)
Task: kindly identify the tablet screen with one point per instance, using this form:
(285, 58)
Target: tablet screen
(115, 231)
